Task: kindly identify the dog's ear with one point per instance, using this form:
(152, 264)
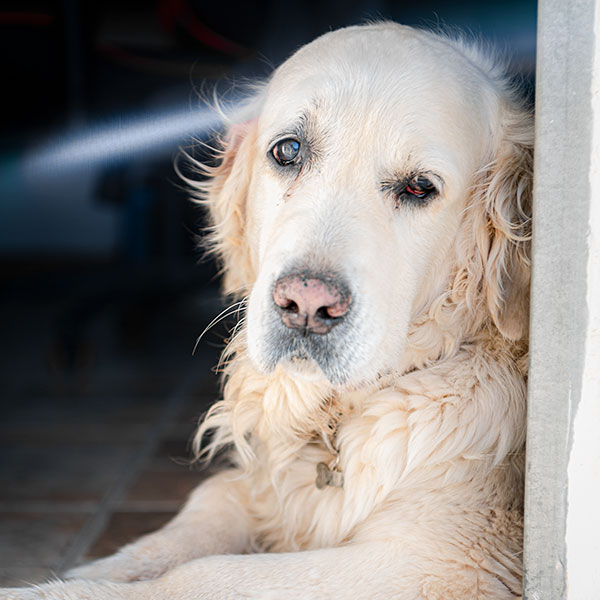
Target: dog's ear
(507, 200)
(502, 227)
(226, 194)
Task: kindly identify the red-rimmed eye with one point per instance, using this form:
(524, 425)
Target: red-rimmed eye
(419, 186)
(286, 152)
(411, 190)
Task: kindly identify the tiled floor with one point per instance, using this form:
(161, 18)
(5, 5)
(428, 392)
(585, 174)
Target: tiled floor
(93, 457)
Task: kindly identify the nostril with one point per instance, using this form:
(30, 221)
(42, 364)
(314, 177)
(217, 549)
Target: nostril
(323, 313)
(291, 306)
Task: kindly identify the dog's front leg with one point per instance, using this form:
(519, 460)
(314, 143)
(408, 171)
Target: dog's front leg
(361, 571)
(214, 521)
(358, 571)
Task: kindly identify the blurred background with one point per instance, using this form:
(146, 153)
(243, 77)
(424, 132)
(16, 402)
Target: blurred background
(104, 289)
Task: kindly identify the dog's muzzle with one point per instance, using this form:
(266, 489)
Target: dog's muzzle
(312, 316)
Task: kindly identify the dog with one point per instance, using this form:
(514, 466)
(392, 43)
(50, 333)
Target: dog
(371, 208)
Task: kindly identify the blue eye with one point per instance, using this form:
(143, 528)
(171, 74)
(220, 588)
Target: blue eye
(286, 152)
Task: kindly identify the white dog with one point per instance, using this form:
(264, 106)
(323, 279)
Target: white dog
(373, 206)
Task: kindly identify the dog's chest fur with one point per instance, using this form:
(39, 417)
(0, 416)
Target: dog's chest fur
(410, 453)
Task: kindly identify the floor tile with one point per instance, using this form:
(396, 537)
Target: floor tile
(36, 539)
(125, 527)
(160, 485)
(77, 410)
(38, 434)
(195, 408)
(72, 472)
(177, 450)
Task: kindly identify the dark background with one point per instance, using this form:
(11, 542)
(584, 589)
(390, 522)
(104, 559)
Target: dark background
(103, 287)
(90, 223)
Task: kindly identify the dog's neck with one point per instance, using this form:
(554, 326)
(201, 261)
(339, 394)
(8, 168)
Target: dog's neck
(278, 413)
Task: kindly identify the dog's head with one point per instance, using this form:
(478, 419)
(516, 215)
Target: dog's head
(383, 170)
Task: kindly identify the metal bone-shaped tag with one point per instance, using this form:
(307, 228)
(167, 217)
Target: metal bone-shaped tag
(327, 476)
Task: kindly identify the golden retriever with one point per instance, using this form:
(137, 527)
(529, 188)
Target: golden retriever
(372, 205)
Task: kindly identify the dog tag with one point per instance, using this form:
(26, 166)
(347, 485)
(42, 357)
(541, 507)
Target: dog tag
(326, 476)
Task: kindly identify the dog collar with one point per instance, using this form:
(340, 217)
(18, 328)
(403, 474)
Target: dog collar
(329, 474)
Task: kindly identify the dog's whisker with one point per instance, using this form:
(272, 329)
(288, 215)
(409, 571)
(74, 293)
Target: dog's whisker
(226, 356)
(241, 321)
(226, 312)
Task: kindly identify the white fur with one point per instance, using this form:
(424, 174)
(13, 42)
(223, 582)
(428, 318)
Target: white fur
(426, 396)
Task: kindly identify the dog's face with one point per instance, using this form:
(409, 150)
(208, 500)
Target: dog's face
(360, 169)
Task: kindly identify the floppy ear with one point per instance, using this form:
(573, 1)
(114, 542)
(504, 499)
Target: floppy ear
(227, 202)
(225, 193)
(503, 199)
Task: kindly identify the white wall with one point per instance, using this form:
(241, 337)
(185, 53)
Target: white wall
(562, 509)
(583, 499)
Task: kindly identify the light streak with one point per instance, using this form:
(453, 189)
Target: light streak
(131, 138)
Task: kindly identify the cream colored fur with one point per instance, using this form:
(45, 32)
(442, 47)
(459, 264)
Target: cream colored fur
(427, 407)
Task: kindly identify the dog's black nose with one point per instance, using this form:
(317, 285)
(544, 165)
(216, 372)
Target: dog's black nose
(315, 303)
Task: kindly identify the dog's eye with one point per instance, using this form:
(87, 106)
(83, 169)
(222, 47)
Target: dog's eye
(286, 152)
(419, 187)
(415, 190)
